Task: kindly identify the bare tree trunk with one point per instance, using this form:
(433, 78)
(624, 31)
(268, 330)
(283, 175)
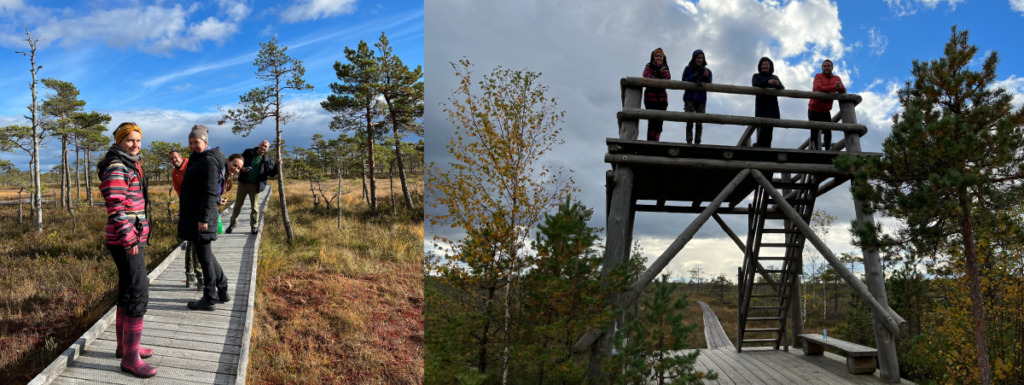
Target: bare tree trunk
(37, 185)
(391, 181)
(339, 197)
(66, 174)
(401, 165)
(21, 216)
(366, 194)
(78, 167)
(280, 178)
(373, 175)
(88, 176)
(977, 304)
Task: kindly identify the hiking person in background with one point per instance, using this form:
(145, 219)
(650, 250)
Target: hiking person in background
(127, 232)
(819, 110)
(199, 195)
(656, 98)
(695, 101)
(257, 167)
(193, 271)
(766, 106)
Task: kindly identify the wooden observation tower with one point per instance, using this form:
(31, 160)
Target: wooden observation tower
(775, 188)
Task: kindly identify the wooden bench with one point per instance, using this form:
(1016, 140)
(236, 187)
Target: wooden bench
(859, 359)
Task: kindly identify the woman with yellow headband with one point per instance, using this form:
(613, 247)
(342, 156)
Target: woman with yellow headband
(124, 191)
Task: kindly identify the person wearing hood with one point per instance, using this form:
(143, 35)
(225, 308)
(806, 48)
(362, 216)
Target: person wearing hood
(125, 195)
(819, 110)
(200, 189)
(766, 106)
(695, 101)
(656, 98)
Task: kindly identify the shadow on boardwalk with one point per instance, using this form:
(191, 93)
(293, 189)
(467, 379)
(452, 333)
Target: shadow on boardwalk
(190, 347)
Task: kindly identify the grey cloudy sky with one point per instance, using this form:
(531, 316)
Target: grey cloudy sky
(583, 48)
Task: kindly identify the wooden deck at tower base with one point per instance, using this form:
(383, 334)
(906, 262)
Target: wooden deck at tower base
(767, 366)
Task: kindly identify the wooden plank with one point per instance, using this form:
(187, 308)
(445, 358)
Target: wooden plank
(847, 347)
(629, 114)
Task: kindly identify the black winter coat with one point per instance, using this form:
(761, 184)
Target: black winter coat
(766, 106)
(199, 193)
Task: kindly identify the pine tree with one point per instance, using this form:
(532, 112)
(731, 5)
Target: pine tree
(953, 158)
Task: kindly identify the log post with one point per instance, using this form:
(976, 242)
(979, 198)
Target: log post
(629, 128)
(888, 364)
(616, 251)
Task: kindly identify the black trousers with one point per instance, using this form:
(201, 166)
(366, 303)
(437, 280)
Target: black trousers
(764, 136)
(816, 116)
(654, 125)
(132, 282)
(213, 275)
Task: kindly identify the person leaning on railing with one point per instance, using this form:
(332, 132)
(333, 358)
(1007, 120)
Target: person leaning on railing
(766, 106)
(819, 110)
(656, 98)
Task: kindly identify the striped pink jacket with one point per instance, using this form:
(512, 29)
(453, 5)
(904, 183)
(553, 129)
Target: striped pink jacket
(126, 207)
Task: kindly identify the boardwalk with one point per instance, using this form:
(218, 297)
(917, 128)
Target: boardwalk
(713, 331)
(766, 366)
(190, 347)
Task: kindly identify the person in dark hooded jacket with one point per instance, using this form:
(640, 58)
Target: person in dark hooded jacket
(656, 98)
(766, 106)
(200, 188)
(695, 101)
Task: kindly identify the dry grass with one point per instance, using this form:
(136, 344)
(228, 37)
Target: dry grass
(56, 283)
(339, 306)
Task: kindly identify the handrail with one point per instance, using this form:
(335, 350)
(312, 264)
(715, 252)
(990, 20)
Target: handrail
(676, 116)
(629, 82)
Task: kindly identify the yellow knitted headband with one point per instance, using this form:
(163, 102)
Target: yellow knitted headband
(124, 129)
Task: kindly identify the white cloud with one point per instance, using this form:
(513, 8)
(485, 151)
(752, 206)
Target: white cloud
(11, 4)
(910, 7)
(1015, 86)
(878, 42)
(302, 10)
(155, 28)
(687, 6)
(1017, 5)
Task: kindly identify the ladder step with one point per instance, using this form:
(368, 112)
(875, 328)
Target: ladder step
(793, 186)
(775, 259)
(763, 330)
(773, 271)
(781, 231)
(794, 201)
(758, 341)
(778, 244)
(764, 318)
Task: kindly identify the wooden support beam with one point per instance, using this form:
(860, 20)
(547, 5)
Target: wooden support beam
(629, 114)
(884, 313)
(623, 300)
(885, 340)
(638, 82)
(729, 231)
(629, 128)
(826, 169)
(745, 138)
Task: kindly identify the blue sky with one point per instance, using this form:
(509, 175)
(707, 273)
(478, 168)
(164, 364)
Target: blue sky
(583, 47)
(168, 65)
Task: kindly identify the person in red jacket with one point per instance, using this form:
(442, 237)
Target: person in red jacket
(656, 98)
(193, 271)
(127, 232)
(819, 110)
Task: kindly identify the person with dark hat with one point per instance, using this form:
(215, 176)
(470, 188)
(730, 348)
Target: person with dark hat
(695, 101)
(766, 106)
(127, 233)
(198, 222)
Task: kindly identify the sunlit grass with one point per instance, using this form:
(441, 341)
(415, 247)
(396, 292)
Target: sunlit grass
(340, 305)
(56, 283)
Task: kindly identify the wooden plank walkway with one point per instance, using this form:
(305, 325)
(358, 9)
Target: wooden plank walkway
(713, 331)
(767, 366)
(190, 347)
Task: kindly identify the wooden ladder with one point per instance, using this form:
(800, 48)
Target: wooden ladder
(765, 289)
